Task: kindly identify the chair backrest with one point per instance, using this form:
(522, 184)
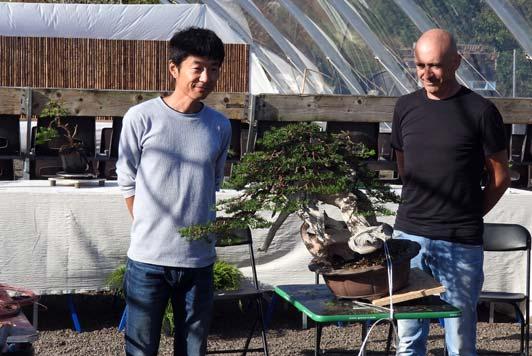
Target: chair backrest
(105, 139)
(44, 168)
(235, 145)
(508, 137)
(385, 147)
(115, 137)
(505, 237)
(237, 238)
(7, 171)
(9, 135)
(366, 133)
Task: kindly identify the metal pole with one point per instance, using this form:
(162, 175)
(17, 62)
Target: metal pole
(26, 109)
(304, 80)
(513, 76)
(252, 132)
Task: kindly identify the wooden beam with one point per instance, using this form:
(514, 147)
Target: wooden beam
(116, 103)
(361, 108)
(11, 101)
(514, 110)
(268, 107)
(324, 108)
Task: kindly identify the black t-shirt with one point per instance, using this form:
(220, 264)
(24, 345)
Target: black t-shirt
(444, 144)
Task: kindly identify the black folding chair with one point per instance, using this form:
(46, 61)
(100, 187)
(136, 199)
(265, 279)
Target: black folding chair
(252, 293)
(501, 238)
(366, 133)
(107, 167)
(9, 145)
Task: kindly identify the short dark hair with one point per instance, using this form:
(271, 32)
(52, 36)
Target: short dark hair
(194, 41)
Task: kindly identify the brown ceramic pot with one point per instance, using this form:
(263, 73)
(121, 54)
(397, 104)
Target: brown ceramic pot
(371, 282)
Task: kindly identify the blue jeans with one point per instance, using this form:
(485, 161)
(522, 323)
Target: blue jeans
(148, 288)
(458, 268)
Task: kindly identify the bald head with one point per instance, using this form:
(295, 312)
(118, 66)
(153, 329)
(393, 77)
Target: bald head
(437, 38)
(437, 60)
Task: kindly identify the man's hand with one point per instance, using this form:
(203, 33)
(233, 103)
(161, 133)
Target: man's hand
(129, 204)
(499, 179)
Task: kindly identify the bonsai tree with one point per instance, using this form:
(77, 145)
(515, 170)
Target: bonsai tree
(56, 128)
(61, 135)
(298, 169)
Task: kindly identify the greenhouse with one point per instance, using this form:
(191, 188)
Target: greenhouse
(307, 176)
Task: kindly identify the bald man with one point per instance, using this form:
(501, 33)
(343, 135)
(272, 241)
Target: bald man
(444, 136)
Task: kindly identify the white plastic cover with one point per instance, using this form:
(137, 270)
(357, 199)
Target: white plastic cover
(268, 72)
(119, 22)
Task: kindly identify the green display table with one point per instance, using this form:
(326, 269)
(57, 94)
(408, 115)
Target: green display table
(319, 304)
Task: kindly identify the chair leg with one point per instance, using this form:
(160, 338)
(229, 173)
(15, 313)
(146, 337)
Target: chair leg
(260, 311)
(73, 313)
(527, 338)
(250, 335)
(317, 351)
(521, 320)
(122, 324)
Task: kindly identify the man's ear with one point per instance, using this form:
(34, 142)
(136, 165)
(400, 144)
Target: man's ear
(173, 69)
(456, 61)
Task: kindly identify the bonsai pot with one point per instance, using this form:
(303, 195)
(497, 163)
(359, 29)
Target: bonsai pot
(74, 160)
(370, 282)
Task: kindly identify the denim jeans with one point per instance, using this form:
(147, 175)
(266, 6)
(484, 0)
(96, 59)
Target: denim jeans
(458, 268)
(148, 288)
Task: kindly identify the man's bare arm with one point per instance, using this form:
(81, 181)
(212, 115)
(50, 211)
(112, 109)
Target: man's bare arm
(129, 203)
(400, 159)
(499, 179)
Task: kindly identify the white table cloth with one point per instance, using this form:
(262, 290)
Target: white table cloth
(67, 240)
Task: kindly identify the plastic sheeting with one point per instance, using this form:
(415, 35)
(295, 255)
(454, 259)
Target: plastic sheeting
(269, 73)
(118, 22)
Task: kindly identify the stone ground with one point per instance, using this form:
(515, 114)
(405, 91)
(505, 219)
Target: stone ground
(100, 315)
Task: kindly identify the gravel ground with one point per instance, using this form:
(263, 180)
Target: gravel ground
(100, 314)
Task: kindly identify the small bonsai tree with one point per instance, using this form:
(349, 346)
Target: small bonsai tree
(62, 136)
(57, 129)
(298, 169)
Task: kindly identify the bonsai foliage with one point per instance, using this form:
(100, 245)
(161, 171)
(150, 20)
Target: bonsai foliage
(226, 276)
(115, 281)
(294, 167)
(57, 130)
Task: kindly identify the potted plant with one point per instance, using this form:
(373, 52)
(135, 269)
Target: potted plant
(61, 136)
(301, 169)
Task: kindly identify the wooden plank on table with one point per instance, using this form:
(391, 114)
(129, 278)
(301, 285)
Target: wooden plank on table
(117, 102)
(276, 107)
(420, 285)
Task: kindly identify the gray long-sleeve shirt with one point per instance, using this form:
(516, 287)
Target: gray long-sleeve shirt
(173, 164)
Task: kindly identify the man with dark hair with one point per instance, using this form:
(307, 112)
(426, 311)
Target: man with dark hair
(445, 135)
(171, 160)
